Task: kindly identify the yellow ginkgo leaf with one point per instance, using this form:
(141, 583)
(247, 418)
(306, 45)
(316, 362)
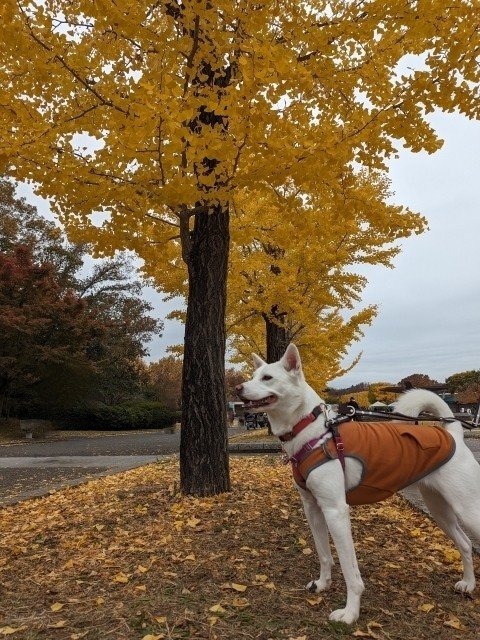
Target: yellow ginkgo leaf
(57, 625)
(217, 608)
(57, 606)
(121, 577)
(451, 555)
(8, 631)
(192, 522)
(454, 623)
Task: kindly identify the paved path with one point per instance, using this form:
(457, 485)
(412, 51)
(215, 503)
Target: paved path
(151, 443)
(34, 468)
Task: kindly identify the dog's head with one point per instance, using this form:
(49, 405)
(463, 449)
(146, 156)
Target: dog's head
(274, 387)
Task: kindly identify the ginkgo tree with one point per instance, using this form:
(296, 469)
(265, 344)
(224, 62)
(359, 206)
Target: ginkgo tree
(140, 120)
(295, 277)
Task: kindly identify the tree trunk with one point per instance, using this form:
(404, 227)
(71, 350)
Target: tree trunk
(276, 336)
(204, 468)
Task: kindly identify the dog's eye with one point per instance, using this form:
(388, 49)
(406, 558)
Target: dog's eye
(266, 377)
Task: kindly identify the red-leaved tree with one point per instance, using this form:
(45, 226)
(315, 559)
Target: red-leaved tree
(45, 329)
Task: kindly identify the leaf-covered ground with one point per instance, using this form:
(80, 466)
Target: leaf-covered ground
(253, 436)
(127, 557)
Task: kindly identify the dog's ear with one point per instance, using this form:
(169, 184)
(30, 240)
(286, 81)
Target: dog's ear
(257, 361)
(291, 359)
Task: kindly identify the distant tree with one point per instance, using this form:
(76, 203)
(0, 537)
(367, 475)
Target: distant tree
(469, 395)
(45, 330)
(233, 378)
(165, 378)
(463, 380)
(21, 224)
(109, 291)
(466, 386)
(420, 380)
(375, 393)
(360, 397)
(372, 395)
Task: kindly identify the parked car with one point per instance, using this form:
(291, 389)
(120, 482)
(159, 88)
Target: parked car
(262, 420)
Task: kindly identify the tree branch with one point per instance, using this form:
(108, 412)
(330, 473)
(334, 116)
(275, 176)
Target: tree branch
(172, 224)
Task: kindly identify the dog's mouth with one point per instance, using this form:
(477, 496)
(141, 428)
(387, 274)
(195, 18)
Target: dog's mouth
(256, 404)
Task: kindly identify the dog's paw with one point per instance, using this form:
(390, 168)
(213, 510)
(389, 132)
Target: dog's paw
(315, 586)
(465, 587)
(347, 616)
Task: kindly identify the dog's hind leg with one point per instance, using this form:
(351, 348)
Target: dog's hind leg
(319, 529)
(445, 517)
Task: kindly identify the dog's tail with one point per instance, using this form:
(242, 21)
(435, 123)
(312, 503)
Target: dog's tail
(413, 402)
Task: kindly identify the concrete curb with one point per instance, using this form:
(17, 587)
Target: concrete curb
(254, 447)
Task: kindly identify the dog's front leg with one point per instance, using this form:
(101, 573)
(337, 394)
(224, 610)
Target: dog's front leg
(327, 484)
(319, 529)
(338, 522)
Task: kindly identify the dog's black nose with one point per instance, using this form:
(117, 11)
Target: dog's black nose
(239, 389)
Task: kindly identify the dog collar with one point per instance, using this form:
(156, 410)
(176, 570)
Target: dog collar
(304, 422)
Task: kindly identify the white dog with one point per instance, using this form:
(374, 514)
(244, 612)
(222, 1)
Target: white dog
(451, 491)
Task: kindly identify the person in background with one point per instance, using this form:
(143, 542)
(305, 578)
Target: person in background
(353, 403)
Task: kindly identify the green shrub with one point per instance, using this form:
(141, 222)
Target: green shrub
(131, 415)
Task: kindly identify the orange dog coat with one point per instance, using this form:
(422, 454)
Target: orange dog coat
(392, 455)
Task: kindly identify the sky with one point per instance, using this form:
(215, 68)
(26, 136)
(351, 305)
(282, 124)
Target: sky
(429, 304)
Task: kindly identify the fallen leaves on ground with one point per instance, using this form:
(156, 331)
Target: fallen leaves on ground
(126, 557)
(260, 435)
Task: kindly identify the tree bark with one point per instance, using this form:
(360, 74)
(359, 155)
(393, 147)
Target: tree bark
(204, 468)
(277, 337)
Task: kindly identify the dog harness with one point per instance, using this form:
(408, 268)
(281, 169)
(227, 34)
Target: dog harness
(392, 455)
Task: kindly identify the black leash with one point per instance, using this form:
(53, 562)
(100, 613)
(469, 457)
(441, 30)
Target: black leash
(424, 417)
